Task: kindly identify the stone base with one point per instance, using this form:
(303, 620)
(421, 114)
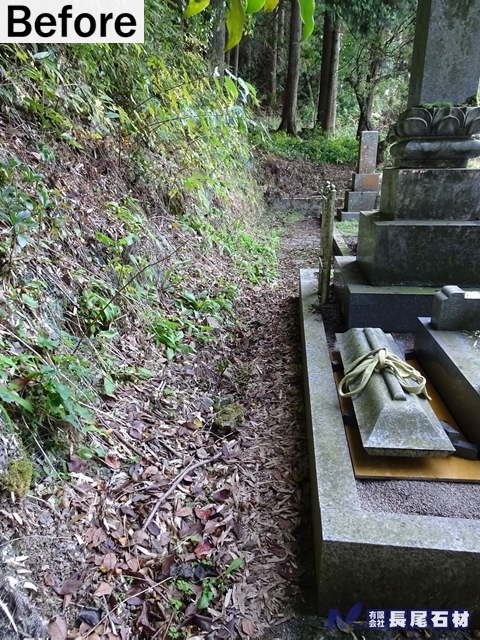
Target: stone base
(429, 253)
(347, 215)
(392, 308)
(360, 200)
(430, 194)
(452, 363)
(383, 560)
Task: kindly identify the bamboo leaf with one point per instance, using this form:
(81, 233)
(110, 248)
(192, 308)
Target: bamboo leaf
(307, 9)
(235, 20)
(194, 7)
(270, 5)
(254, 5)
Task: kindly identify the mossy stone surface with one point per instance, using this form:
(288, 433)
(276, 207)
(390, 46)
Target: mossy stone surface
(229, 418)
(18, 477)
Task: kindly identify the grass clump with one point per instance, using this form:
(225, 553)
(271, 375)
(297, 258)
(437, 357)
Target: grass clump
(348, 227)
(313, 146)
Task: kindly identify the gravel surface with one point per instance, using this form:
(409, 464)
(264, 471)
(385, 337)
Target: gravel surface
(412, 497)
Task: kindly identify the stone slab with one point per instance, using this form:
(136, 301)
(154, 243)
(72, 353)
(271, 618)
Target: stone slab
(446, 52)
(393, 308)
(340, 247)
(430, 194)
(452, 363)
(310, 207)
(367, 158)
(385, 560)
(456, 310)
(366, 181)
(429, 253)
(391, 421)
(360, 200)
(347, 215)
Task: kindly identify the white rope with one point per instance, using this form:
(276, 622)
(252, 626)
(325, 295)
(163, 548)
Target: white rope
(363, 368)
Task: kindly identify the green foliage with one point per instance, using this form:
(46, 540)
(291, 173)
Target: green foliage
(314, 146)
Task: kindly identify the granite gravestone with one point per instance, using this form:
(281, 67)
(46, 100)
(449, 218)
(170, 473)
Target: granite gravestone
(446, 55)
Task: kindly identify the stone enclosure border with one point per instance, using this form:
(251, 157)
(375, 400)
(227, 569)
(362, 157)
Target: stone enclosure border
(384, 560)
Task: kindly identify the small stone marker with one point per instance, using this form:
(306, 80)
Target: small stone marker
(456, 310)
(391, 422)
(365, 183)
(446, 55)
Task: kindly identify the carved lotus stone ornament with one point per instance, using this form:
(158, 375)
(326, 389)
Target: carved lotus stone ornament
(436, 137)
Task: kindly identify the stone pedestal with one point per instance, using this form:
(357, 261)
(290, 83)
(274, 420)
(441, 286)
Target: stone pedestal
(428, 253)
(430, 194)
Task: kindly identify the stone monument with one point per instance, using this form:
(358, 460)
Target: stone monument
(426, 233)
(365, 183)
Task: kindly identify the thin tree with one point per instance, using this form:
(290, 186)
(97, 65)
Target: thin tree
(289, 112)
(327, 96)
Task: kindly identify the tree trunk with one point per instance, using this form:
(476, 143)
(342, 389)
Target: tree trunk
(236, 52)
(281, 32)
(217, 49)
(273, 70)
(327, 99)
(365, 103)
(289, 112)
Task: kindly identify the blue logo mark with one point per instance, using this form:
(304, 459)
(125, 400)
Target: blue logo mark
(335, 619)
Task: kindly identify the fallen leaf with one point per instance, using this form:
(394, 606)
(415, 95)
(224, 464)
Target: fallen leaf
(104, 589)
(202, 513)
(109, 561)
(112, 462)
(183, 512)
(222, 495)
(49, 580)
(70, 586)
(57, 628)
(76, 464)
(247, 627)
(202, 550)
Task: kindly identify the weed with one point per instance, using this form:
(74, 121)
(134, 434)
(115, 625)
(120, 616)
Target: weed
(348, 227)
(315, 147)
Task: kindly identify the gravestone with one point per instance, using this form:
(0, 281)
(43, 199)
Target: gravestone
(446, 56)
(365, 183)
(426, 233)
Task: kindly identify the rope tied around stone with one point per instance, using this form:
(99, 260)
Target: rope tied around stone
(363, 368)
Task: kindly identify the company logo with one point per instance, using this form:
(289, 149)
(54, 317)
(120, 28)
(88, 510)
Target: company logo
(71, 21)
(399, 618)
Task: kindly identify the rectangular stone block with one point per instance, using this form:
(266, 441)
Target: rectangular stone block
(430, 194)
(360, 200)
(393, 308)
(366, 181)
(367, 158)
(446, 52)
(429, 253)
(452, 363)
(456, 310)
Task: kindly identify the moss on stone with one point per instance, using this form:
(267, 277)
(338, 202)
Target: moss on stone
(18, 477)
(229, 418)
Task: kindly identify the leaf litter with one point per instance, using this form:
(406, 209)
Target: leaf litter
(180, 531)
